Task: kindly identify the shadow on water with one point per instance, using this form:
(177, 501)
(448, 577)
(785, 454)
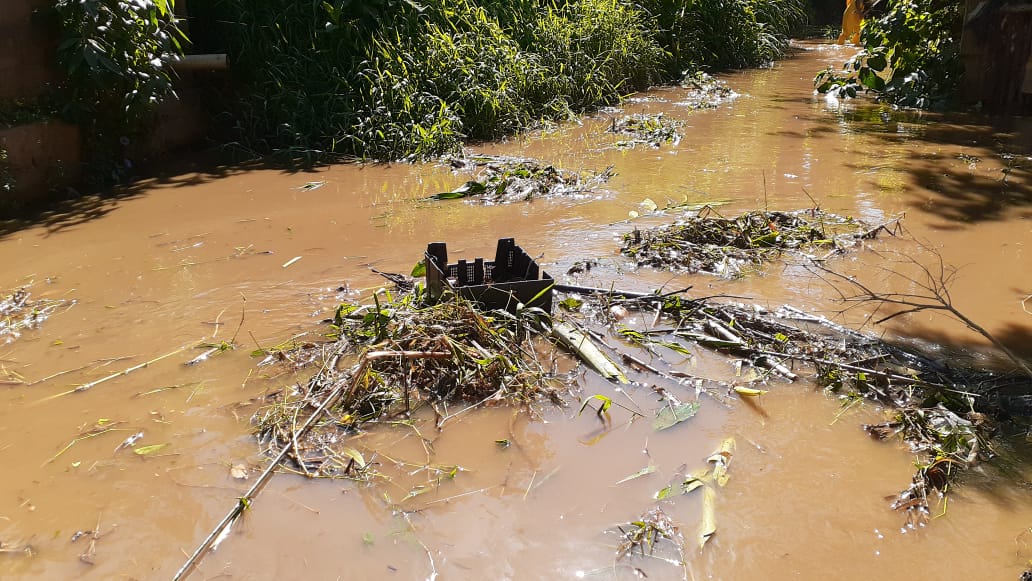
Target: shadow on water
(974, 168)
(57, 213)
(1016, 337)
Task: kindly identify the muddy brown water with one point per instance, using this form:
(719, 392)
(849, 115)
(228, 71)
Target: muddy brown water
(181, 259)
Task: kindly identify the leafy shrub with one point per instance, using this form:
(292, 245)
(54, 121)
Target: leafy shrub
(910, 56)
(117, 58)
(725, 34)
(390, 79)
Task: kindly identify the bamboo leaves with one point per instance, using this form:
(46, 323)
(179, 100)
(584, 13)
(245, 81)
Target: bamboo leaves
(644, 471)
(148, 450)
(721, 460)
(586, 349)
(748, 391)
(708, 525)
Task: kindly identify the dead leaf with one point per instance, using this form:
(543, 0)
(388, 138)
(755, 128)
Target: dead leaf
(671, 415)
(708, 526)
(721, 460)
(238, 471)
(148, 450)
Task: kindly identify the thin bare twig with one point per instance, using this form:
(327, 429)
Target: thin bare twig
(934, 295)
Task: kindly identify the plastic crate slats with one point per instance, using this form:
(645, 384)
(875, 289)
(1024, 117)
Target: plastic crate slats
(512, 278)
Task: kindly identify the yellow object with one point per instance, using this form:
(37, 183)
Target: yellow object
(748, 391)
(851, 19)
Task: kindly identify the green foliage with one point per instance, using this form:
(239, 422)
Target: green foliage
(725, 34)
(22, 112)
(6, 175)
(396, 79)
(598, 49)
(910, 56)
(116, 55)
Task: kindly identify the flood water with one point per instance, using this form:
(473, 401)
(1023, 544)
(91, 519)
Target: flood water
(209, 256)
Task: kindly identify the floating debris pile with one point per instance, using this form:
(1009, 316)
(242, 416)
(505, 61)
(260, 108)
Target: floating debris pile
(505, 180)
(941, 410)
(394, 355)
(728, 247)
(399, 355)
(652, 130)
(19, 312)
(706, 92)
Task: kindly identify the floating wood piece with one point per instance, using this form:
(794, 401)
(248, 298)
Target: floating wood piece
(586, 349)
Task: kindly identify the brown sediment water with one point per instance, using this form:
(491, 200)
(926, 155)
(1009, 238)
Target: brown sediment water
(209, 257)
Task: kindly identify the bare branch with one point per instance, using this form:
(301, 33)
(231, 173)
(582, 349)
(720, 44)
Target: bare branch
(934, 281)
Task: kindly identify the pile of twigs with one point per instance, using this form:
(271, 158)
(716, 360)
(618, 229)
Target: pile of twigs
(941, 410)
(399, 355)
(713, 244)
(504, 180)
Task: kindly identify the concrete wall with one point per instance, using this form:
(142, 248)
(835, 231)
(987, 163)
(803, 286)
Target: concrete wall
(42, 157)
(46, 156)
(26, 50)
(997, 65)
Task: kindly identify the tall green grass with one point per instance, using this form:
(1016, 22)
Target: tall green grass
(393, 79)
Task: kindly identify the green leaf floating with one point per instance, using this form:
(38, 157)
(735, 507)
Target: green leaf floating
(148, 450)
(670, 416)
(419, 270)
(470, 188)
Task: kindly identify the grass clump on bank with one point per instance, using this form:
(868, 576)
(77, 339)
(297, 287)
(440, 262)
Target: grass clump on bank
(396, 80)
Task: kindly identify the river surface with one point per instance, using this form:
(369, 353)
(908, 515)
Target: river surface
(209, 255)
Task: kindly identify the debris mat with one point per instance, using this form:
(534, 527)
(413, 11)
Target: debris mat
(506, 180)
(731, 247)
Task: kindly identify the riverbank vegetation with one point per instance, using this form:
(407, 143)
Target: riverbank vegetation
(117, 59)
(910, 56)
(395, 79)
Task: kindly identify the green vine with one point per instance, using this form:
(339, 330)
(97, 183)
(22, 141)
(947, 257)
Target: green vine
(117, 56)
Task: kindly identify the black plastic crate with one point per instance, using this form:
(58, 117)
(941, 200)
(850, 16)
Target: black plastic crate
(513, 277)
